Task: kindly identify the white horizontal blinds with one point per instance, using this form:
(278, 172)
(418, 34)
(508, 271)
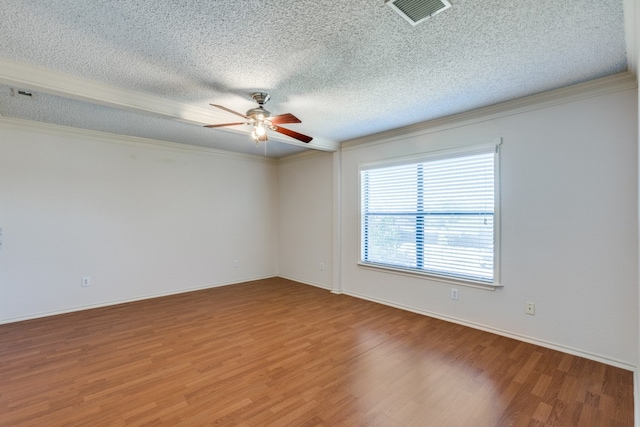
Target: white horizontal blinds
(435, 216)
(389, 209)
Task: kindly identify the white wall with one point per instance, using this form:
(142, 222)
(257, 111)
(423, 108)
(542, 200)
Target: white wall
(139, 219)
(145, 220)
(306, 218)
(569, 228)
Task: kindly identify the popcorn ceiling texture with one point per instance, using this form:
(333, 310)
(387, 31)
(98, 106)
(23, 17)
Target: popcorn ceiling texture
(346, 68)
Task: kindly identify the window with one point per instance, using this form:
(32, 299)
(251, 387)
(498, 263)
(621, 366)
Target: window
(434, 215)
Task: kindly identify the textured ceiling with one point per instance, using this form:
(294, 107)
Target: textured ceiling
(347, 69)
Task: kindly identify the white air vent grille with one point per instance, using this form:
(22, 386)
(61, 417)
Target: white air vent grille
(416, 11)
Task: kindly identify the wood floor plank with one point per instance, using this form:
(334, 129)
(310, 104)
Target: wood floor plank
(276, 352)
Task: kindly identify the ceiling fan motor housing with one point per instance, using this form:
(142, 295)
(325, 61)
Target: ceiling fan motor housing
(258, 113)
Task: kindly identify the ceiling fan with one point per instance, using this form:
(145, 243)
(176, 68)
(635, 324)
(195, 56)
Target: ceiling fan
(261, 120)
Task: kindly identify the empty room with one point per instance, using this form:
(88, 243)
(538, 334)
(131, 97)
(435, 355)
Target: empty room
(319, 213)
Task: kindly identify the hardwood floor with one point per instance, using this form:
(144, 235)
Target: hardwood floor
(275, 352)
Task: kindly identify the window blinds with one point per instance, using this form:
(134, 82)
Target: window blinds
(434, 216)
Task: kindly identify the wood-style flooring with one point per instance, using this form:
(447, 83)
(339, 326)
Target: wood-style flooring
(279, 353)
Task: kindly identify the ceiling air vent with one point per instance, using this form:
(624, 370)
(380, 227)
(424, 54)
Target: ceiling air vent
(416, 11)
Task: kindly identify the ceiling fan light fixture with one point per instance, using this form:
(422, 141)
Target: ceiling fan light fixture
(260, 130)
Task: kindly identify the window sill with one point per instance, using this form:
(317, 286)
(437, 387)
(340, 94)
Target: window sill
(429, 276)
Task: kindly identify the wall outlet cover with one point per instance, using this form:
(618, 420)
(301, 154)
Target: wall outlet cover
(530, 308)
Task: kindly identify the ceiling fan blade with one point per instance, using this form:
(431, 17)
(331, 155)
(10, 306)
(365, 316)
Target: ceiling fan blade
(230, 111)
(284, 118)
(292, 134)
(225, 124)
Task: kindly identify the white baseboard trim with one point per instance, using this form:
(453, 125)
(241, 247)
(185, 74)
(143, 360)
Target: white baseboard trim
(306, 282)
(565, 349)
(126, 300)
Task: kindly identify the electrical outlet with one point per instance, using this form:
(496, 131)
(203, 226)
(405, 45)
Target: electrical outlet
(236, 264)
(86, 281)
(322, 266)
(454, 294)
(530, 308)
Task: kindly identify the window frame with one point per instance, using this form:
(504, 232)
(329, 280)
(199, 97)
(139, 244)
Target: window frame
(432, 156)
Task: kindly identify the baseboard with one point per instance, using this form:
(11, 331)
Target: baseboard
(554, 346)
(127, 300)
(305, 282)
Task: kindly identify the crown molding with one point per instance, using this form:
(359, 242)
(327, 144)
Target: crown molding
(598, 87)
(66, 131)
(34, 78)
(40, 79)
(299, 156)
